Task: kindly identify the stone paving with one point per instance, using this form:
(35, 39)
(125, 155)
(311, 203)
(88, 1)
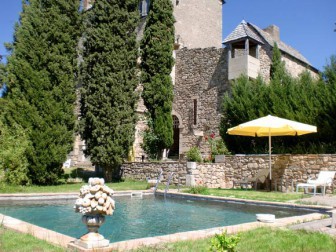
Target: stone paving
(323, 226)
(327, 200)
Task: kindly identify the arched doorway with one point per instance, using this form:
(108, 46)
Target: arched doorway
(174, 149)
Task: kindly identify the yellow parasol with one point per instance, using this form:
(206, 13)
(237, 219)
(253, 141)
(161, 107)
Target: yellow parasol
(271, 126)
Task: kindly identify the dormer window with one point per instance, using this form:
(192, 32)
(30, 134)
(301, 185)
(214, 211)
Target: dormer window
(144, 7)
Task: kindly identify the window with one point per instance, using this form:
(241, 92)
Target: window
(144, 7)
(195, 111)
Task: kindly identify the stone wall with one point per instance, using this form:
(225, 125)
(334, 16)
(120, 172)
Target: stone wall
(265, 57)
(295, 67)
(144, 170)
(287, 170)
(201, 75)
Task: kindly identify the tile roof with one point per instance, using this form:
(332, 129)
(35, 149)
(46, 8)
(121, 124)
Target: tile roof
(282, 46)
(248, 30)
(242, 31)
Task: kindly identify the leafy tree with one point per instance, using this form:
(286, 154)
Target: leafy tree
(157, 63)
(41, 83)
(13, 161)
(109, 78)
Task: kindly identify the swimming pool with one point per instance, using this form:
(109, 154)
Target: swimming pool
(143, 217)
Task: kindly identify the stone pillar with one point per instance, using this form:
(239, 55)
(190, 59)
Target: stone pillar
(247, 47)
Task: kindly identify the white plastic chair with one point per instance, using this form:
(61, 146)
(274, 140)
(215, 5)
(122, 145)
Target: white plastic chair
(324, 179)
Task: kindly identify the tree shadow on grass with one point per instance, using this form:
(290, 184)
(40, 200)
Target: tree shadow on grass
(79, 175)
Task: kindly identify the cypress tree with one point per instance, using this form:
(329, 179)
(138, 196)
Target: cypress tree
(157, 62)
(247, 100)
(41, 83)
(2, 74)
(109, 79)
(278, 69)
(327, 119)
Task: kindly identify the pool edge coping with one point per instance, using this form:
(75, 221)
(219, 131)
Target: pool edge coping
(60, 196)
(257, 202)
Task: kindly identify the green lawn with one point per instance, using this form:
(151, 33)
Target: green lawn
(117, 186)
(250, 194)
(258, 240)
(16, 242)
(261, 240)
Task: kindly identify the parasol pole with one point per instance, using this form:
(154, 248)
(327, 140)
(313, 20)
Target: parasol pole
(269, 157)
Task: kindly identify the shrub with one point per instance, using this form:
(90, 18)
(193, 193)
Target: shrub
(13, 160)
(194, 155)
(224, 242)
(198, 190)
(150, 141)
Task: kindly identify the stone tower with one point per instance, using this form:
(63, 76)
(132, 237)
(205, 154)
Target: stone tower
(198, 22)
(198, 25)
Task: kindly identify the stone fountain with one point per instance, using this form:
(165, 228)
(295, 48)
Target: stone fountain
(94, 202)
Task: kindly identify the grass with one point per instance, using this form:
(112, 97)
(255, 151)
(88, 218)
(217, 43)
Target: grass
(16, 242)
(250, 194)
(261, 240)
(65, 188)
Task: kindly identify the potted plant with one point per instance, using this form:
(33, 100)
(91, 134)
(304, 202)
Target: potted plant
(193, 155)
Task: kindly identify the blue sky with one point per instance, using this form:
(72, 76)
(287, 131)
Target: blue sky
(306, 25)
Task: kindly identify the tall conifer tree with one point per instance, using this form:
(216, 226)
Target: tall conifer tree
(278, 69)
(157, 62)
(2, 74)
(41, 83)
(109, 81)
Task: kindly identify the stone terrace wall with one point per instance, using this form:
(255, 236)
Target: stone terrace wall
(287, 170)
(141, 171)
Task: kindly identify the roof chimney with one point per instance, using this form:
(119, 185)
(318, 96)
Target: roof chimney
(274, 31)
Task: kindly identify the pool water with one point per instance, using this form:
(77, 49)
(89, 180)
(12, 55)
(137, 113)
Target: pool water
(143, 217)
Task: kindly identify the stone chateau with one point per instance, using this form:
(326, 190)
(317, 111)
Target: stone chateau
(204, 67)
